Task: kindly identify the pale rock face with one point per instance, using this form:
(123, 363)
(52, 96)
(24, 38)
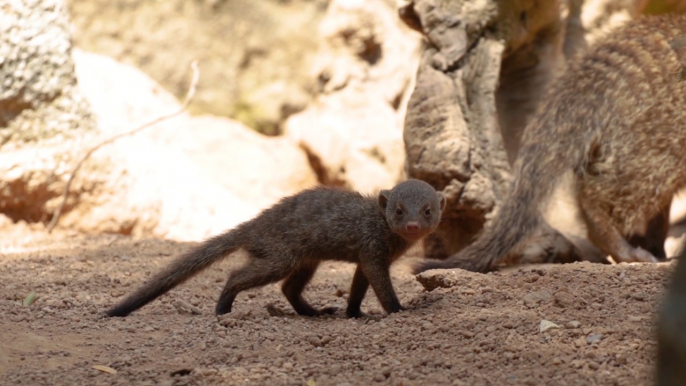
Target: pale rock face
(253, 55)
(186, 178)
(39, 106)
(365, 66)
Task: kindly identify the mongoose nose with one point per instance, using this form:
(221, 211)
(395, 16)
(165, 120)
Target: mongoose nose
(412, 227)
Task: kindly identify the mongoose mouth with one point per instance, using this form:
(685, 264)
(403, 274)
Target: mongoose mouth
(413, 234)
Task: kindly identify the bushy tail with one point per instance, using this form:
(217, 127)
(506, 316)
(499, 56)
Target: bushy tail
(180, 270)
(518, 218)
(512, 225)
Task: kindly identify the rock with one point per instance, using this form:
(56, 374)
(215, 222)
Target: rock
(640, 296)
(243, 77)
(547, 325)
(563, 299)
(314, 341)
(38, 97)
(573, 324)
(352, 140)
(594, 338)
(352, 132)
(183, 307)
(435, 278)
(39, 106)
(180, 178)
(533, 299)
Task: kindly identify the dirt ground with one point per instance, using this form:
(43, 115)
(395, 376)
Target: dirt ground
(484, 331)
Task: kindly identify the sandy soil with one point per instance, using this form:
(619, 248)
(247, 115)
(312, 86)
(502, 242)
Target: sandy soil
(485, 331)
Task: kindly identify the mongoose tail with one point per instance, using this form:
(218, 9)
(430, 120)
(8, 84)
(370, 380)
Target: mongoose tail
(180, 270)
(514, 223)
(538, 171)
(612, 124)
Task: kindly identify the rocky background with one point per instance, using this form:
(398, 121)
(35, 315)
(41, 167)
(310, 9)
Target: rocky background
(291, 94)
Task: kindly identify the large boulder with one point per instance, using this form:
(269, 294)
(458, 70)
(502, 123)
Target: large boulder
(38, 99)
(253, 55)
(40, 105)
(352, 132)
(186, 178)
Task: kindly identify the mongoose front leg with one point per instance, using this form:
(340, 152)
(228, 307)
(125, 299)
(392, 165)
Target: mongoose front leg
(293, 287)
(607, 237)
(357, 291)
(379, 277)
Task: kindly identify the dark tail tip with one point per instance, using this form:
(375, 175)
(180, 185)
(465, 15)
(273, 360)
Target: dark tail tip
(117, 312)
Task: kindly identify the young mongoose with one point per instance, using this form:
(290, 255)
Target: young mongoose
(611, 136)
(290, 239)
(671, 334)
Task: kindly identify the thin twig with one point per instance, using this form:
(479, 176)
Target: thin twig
(184, 106)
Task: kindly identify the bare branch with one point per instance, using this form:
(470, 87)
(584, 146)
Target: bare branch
(184, 106)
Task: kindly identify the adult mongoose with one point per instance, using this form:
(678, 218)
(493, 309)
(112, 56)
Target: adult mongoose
(608, 141)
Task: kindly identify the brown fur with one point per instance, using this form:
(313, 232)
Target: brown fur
(290, 239)
(616, 122)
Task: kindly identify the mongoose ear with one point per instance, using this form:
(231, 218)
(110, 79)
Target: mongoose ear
(383, 198)
(441, 201)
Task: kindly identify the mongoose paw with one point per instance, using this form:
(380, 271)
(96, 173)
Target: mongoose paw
(327, 311)
(356, 314)
(397, 308)
(220, 310)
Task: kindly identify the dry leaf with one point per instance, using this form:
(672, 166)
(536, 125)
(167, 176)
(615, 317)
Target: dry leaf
(30, 298)
(105, 369)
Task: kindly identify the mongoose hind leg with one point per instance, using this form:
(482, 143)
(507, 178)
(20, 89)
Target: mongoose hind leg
(654, 239)
(379, 277)
(251, 275)
(293, 287)
(357, 291)
(606, 237)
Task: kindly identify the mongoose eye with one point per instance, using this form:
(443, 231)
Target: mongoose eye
(427, 212)
(398, 212)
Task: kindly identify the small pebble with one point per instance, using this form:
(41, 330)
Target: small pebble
(315, 341)
(594, 338)
(547, 325)
(640, 296)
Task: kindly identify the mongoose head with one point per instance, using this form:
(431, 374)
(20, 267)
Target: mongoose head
(413, 208)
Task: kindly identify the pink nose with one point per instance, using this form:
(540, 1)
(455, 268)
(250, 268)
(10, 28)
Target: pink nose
(412, 227)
